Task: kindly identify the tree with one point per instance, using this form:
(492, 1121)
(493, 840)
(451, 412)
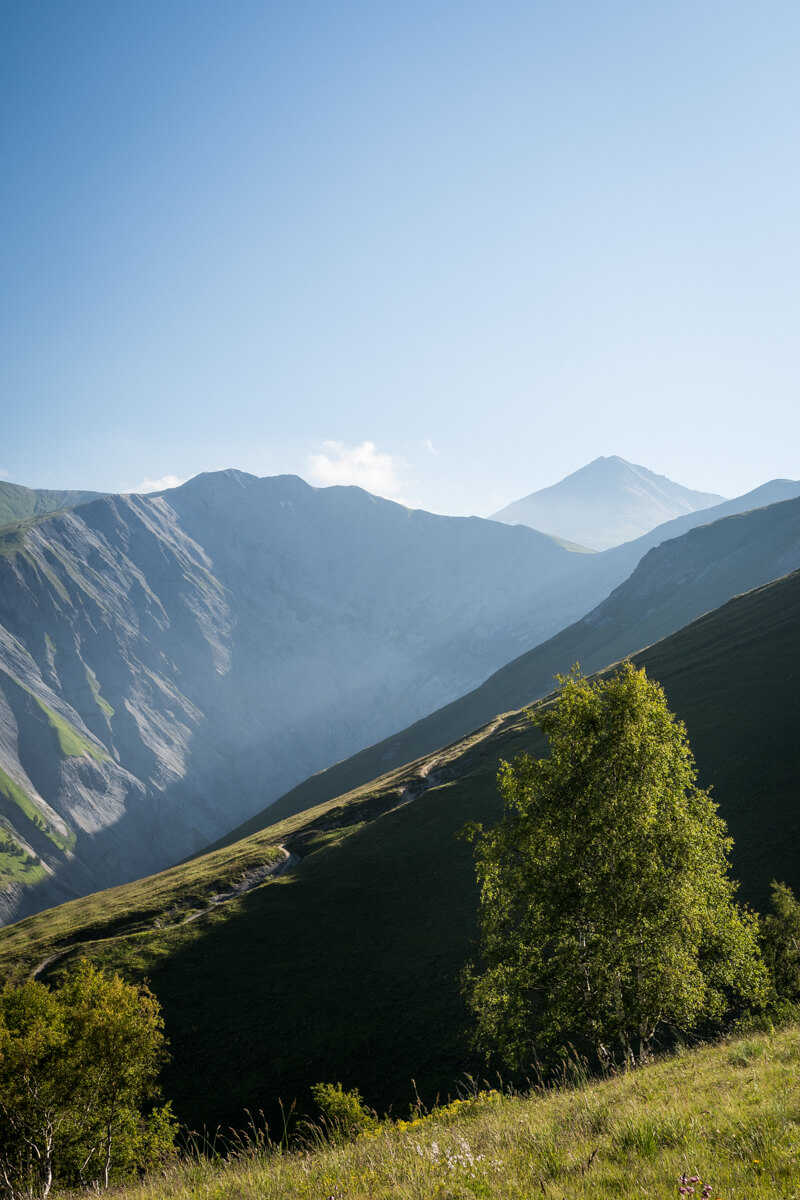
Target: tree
(78, 1069)
(780, 938)
(607, 911)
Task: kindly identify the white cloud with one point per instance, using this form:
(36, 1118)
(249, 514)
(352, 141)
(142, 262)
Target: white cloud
(429, 446)
(364, 465)
(4, 474)
(157, 485)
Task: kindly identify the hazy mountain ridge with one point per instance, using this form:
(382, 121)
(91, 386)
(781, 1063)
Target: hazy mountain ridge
(606, 503)
(201, 650)
(673, 584)
(773, 492)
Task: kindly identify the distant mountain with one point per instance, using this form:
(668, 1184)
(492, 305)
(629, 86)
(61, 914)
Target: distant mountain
(674, 583)
(348, 967)
(171, 663)
(20, 503)
(605, 503)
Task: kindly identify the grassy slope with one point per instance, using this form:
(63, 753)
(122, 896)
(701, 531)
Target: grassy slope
(347, 968)
(20, 503)
(674, 584)
(729, 1113)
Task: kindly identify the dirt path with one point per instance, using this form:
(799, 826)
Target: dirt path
(251, 880)
(247, 883)
(426, 778)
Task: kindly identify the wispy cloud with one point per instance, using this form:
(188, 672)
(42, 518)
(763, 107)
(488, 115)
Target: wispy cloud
(4, 474)
(429, 446)
(157, 485)
(364, 465)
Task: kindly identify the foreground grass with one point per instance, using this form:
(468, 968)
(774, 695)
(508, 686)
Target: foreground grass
(727, 1113)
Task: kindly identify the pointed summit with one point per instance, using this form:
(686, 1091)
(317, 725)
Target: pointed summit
(607, 502)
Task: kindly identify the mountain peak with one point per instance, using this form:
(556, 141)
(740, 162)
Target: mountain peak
(604, 503)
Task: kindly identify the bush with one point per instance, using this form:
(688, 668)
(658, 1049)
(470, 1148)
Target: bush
(343, 1114)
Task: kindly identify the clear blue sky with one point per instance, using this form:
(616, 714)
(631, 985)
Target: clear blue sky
(453, 250)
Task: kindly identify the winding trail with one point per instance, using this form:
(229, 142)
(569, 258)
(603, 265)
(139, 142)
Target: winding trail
(252, 879)
(425, 779)
(246, 884)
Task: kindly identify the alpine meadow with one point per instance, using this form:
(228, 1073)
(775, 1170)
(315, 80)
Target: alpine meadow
(399, 594)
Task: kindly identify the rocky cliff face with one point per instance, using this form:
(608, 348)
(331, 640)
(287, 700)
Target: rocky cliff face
(170, 664)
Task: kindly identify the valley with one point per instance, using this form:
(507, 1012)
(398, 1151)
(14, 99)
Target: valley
(348, 965)
(171, 665)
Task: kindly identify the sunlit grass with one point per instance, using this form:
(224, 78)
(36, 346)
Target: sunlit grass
(726, 1116)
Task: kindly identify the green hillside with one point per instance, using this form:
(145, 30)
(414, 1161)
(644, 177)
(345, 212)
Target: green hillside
(346, 967)
(675, 583)
(19, 503)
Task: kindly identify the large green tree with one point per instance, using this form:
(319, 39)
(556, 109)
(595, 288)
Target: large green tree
(607, 910)
(78, 1070)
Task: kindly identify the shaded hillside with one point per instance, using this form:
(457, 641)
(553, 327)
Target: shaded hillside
(171, 663)
(773, 492)
(607, 502)
(21, 503)
(347, 967)
(674, 583)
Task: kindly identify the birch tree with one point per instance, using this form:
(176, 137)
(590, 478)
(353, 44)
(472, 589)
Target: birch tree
(607, 911)
(78, 1084)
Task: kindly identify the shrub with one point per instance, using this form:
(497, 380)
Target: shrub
(343, 1114)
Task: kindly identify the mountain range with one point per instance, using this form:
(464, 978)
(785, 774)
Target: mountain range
(171, 665)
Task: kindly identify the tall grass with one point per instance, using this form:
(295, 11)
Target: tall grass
(724, 1118)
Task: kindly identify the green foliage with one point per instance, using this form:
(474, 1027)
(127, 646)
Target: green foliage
(780, 935)
(344, 1114)
(606, 910)
(77, 1068)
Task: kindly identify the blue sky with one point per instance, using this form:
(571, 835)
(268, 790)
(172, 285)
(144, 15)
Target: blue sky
(451, 251)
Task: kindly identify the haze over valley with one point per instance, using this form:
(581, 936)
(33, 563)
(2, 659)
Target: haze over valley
(172, 664)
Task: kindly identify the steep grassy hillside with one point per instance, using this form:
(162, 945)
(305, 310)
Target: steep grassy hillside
(675, 582)
(346, 967)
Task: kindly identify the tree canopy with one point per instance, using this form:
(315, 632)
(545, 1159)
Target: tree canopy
(78, 1070)
(780, 939)
(607, 910)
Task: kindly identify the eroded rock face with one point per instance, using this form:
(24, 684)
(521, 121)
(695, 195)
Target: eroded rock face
(170, 664)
